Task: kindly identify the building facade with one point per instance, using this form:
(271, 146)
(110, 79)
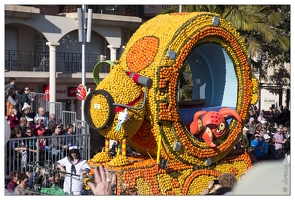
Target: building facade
(43, 50)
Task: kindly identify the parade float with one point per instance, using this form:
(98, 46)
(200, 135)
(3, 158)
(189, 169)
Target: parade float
(179, 95)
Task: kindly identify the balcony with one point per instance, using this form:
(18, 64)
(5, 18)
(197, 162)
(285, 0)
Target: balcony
(39, 62)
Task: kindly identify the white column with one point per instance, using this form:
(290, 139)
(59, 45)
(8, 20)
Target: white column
(52, 73)
(113, 52)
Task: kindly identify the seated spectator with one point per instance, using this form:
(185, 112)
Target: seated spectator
(12, 118)
(20, 189)
(41, 115)
(222, 191)
(56, 180)
(22, 126)
(30, 124)
(224, 180)
(40, 127)
(12, 183)
(52, 122)
(27, 111)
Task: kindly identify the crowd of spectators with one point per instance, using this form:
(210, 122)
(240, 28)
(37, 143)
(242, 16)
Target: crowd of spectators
(266, 135)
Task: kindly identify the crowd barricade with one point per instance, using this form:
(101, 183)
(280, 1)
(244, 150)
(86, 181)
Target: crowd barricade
(38, 156)
(40, 100)
(55, 108)
(68, 117)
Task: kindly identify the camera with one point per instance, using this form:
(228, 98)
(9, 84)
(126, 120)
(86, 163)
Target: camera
(216, 182)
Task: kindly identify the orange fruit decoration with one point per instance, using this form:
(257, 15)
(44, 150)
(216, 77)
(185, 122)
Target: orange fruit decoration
(142, 53)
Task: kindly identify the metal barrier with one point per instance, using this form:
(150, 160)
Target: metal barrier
(68, 117)
(55, 108)
(14, 160)
(40, 100)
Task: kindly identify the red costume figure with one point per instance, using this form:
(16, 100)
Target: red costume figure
(212, 123)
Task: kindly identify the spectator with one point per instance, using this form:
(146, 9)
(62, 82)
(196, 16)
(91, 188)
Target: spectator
(257, 144)
(22, 126)
(103, 184)
(272, 154)
(40, 127)
(57, 142)
(41, 115)
(224, 180)
(12, 183)
(17, 148)
(223, 191)
(12, 101)
(280, 140)
(243, 141)
(25, 96)
(31, 125)
(251, 125)
(70, 141)
(27, 111)
(11, 84)
(261, 118)
(265, 146)
(286, 132)
(56, 180)
(20, 189)
(12, 118)
(52, 122)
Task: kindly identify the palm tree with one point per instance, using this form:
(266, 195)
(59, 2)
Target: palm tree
(259, 25)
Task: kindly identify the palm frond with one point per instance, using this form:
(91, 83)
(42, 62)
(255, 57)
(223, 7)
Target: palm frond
(284, 42)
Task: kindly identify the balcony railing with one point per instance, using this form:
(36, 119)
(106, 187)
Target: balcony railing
(125, 10)
(39, 61)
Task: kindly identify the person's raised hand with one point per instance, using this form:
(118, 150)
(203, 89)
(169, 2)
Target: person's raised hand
(103, 181)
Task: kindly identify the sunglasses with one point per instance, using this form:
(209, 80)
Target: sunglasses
(29, 132)
(58, 127)
(27, 89)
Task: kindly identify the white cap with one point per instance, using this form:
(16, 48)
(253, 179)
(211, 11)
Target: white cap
(266, 136)
(26, 105)
(73, 147)
(245, 129)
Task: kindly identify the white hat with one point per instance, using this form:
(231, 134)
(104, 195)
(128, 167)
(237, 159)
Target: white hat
(26, 105)
(263, 121)
(73, 147)
(245, 129)
(29, 119)
(266, 136)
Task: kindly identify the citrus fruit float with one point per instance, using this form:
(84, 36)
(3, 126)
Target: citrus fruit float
(179, 96)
